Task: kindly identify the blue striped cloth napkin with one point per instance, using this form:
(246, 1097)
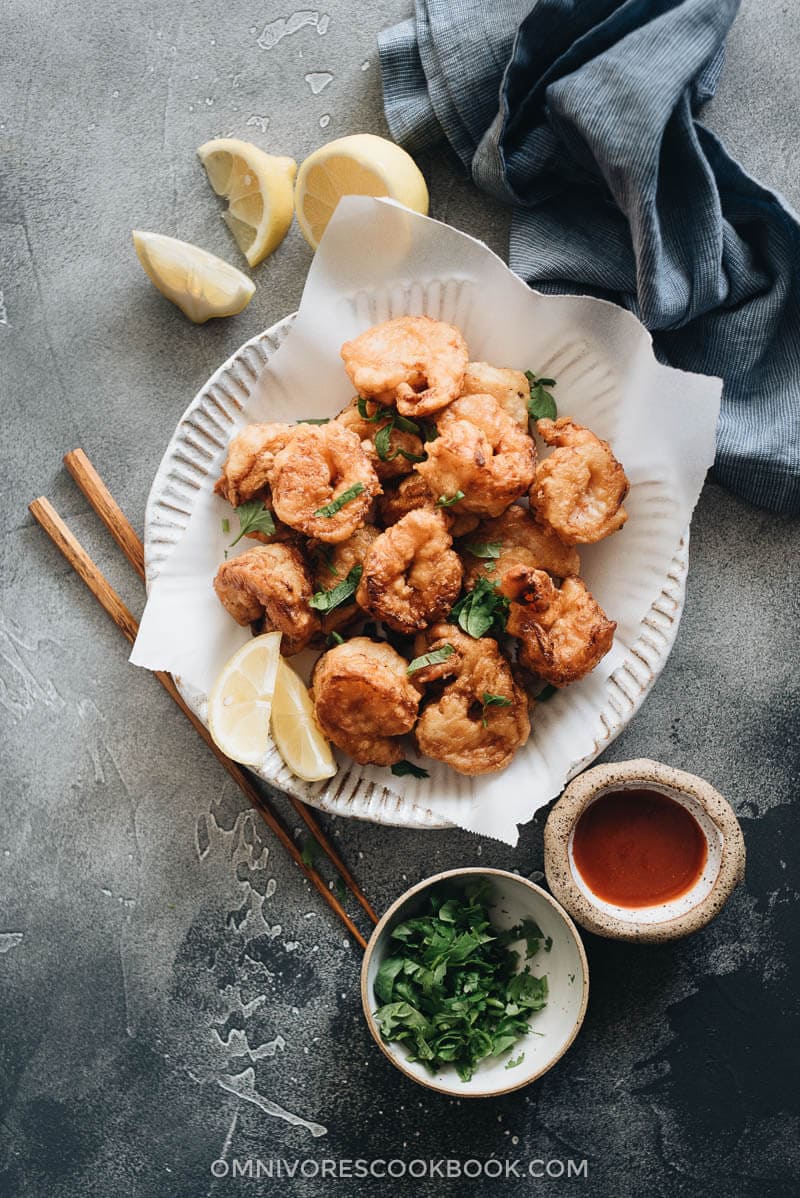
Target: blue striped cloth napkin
(582, 114)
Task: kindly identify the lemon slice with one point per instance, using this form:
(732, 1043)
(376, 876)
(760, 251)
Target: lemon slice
(295, 729)
(258, 188)
(201, 284)
(241, 700)
(361, 164)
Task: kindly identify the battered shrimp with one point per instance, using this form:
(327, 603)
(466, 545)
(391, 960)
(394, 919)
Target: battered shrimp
(510, 388)
(563, 632)
(412, 361)
(481, 717)
(481, 452)
(580, 488)
(333, 563)
(411, 575)
(251, 455)
(519, 539)
(412, 495)
(320, 465)
(399, 453)
(364, 700)
(270, 582)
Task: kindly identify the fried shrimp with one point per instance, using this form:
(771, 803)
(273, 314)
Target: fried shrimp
(563, 632)
(322, 482)
(580, 488)
(413, 361)
(411, 495)
(364, 700)
(251, 455)
(481, 717)
(516, 538)
(510, 388)
(481, 452)
(333, 565)
(391, 450)
(412, 576)
(270, 583)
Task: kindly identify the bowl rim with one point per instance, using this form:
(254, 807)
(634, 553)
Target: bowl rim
(380, 928)
(579, 795)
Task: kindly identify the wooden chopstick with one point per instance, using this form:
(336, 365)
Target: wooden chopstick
(103, 503)
(64, 540)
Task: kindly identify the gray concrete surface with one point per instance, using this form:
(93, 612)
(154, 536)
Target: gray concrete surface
(149, 952)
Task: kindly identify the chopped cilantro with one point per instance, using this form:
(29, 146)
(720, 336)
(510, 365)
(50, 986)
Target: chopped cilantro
(314, 420)
(451, 993)
(481, 610)
(434, 658)
(254, 516)
(401, 769)
(541, 403)
(485, 549)
(490, 700)
(326, 601)
(449, 500)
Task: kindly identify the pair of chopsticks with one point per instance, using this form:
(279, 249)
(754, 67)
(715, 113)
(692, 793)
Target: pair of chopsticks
(106, 507)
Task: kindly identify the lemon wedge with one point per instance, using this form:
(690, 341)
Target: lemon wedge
(201, 284)
(241, 700)
(362, 164)
(258, 188)
(295, 729)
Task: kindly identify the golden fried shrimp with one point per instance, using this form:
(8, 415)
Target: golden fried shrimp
(322, 482)
(251, 454)
(364, 700)
(481, 717)
(411, 575)
(510, 388)
(411, 495)
(273, 583)
(481, 452)
(519, 539)
(580, 487)
(400, 449)
(413, 361)
(333, 563)
(563, 632)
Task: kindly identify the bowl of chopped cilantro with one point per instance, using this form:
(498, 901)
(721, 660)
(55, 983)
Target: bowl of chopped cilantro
(475, 982)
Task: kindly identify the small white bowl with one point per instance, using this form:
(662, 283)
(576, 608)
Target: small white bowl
(552, 1029)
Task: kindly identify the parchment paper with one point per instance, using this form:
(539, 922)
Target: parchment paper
(379, 260)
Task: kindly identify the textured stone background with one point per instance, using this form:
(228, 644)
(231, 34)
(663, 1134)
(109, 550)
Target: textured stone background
(171, 992)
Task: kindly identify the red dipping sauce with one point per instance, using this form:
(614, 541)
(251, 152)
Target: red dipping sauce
(638, 848)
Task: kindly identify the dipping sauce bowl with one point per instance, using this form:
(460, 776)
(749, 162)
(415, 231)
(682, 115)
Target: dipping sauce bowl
(637, 850)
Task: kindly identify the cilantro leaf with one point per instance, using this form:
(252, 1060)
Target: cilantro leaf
(314, 420)
(431, 659)
(336, 505)
(380, 413)
(449, 500)
(254, 516)
(335, 638)
(541, 403)
(482, 609)
(449, 991)
(226, 525)
(546, 693)
(490, 700)
(310, 853)
(485, 549)
(401, 769)
(326, 601)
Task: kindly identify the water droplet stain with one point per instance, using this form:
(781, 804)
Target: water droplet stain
(318, 81)
(324, 120)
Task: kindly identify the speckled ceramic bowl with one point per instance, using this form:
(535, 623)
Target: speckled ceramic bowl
(552, 1029)
(723, 871)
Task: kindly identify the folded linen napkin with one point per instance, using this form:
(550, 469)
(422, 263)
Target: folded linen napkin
(582, 114)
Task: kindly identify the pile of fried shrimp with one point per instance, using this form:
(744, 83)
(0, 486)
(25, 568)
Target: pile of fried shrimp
(419, 542)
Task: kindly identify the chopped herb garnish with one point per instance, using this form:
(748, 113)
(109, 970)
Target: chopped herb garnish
(431, 659)
(490, 700)
(451, 994)
(399, 422)
(546, 693)
(484, 548)
(334, 639)
(254, 516)
(326, 601)
(310, 853)
(339, 889)
(324, 554)
(314, 420)
(401, 769)
(541, 403)
(383, 441)
(336, 505)
(226, 525)
(512, 1064)
(449, 500)
(429, 431)
(482, 609)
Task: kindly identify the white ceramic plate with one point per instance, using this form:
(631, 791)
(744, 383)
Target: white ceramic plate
(191, 465)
